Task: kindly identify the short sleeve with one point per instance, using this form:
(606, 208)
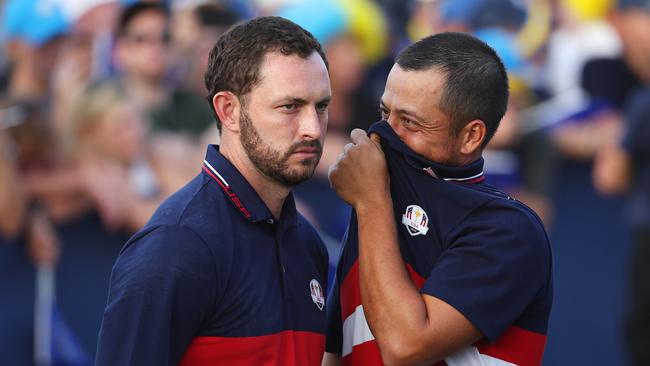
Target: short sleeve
(334, 337)
(497, 262)
(162, 288)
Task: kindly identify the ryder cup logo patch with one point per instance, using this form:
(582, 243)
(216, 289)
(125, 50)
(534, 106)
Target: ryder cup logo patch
(317, 294)
(415, 220)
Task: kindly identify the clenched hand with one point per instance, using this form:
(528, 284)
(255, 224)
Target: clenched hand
(360, 175)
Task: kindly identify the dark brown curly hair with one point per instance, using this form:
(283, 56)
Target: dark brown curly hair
(235, 59)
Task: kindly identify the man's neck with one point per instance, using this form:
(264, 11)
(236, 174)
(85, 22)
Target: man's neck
(272, 193)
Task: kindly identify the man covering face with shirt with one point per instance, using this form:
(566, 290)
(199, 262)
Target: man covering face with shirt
(438, 266)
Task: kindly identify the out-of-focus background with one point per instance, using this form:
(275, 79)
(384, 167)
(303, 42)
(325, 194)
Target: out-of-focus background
(103, 115)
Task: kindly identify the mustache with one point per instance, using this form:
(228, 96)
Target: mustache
(310, 144)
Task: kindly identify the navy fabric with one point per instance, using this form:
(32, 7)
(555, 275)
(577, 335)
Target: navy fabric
(88, 252)
(17, 285)
(484, 253)
(636, 141)
(211, 262)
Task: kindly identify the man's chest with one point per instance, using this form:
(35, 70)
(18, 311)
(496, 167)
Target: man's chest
(269, 284)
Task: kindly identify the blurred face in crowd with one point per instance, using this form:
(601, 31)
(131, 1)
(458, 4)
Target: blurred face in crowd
(634, 28)
(410, 104)
(346, 63)
(120, 132)
(284, 117)
(143, 49)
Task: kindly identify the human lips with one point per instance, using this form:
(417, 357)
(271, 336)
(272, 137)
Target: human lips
(307, 151)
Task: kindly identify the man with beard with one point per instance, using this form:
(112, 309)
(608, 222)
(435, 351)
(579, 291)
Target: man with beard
(227, 271)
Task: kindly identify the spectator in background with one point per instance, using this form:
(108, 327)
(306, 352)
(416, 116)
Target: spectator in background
(625, 166)
(195, 29)
(142, 55)
(34, 33)
(583, 120)
(121, 172)
(85, 56)
(30, 154)
(12, 194)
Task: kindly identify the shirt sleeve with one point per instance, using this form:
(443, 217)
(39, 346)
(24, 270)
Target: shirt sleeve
(162, 288)
(498, 261)
(334, 337)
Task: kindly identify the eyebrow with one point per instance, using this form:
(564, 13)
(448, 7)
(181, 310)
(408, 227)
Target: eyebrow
(301, 101)
(327, 99)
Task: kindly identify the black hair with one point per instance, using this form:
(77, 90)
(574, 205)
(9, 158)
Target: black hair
(476, 85)
(134, 10)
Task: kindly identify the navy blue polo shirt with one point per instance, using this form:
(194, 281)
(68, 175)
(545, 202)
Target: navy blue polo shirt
(215, 279)
(464, 242)
(636, 142)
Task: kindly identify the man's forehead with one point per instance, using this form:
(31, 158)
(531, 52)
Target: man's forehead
(291, 74)
(415, 83)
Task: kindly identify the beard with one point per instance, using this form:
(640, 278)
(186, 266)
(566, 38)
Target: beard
(273, 163)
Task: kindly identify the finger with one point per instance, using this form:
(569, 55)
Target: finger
(376, 139)
(339, 158)
(347, 147)
(358, 136)
(330, 172)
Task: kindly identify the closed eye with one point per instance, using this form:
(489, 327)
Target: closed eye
(383, 112)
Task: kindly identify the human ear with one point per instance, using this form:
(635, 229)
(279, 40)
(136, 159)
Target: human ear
(472, 137)
(228, 108)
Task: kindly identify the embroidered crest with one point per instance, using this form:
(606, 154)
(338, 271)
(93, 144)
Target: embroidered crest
(415, 220)
(317, 294)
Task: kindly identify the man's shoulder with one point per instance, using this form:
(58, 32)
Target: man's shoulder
(508, 223)
(165, 248)
(518, 212)
(192, 216)
(197, 206)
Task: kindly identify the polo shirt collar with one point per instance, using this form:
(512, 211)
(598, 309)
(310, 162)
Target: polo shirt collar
(240, 193)
(470, 173)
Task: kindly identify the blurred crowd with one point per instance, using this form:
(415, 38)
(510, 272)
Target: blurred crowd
(103, 111)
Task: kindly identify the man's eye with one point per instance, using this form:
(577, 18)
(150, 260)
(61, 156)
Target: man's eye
(384, 113)
(289, 107)
(322, 107)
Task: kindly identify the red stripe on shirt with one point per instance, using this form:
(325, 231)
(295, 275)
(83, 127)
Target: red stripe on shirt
(415, 277)
(290, 348)
(233, 197)
(516, 345)
(366, 353)
(476, 180)
(350, 292)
